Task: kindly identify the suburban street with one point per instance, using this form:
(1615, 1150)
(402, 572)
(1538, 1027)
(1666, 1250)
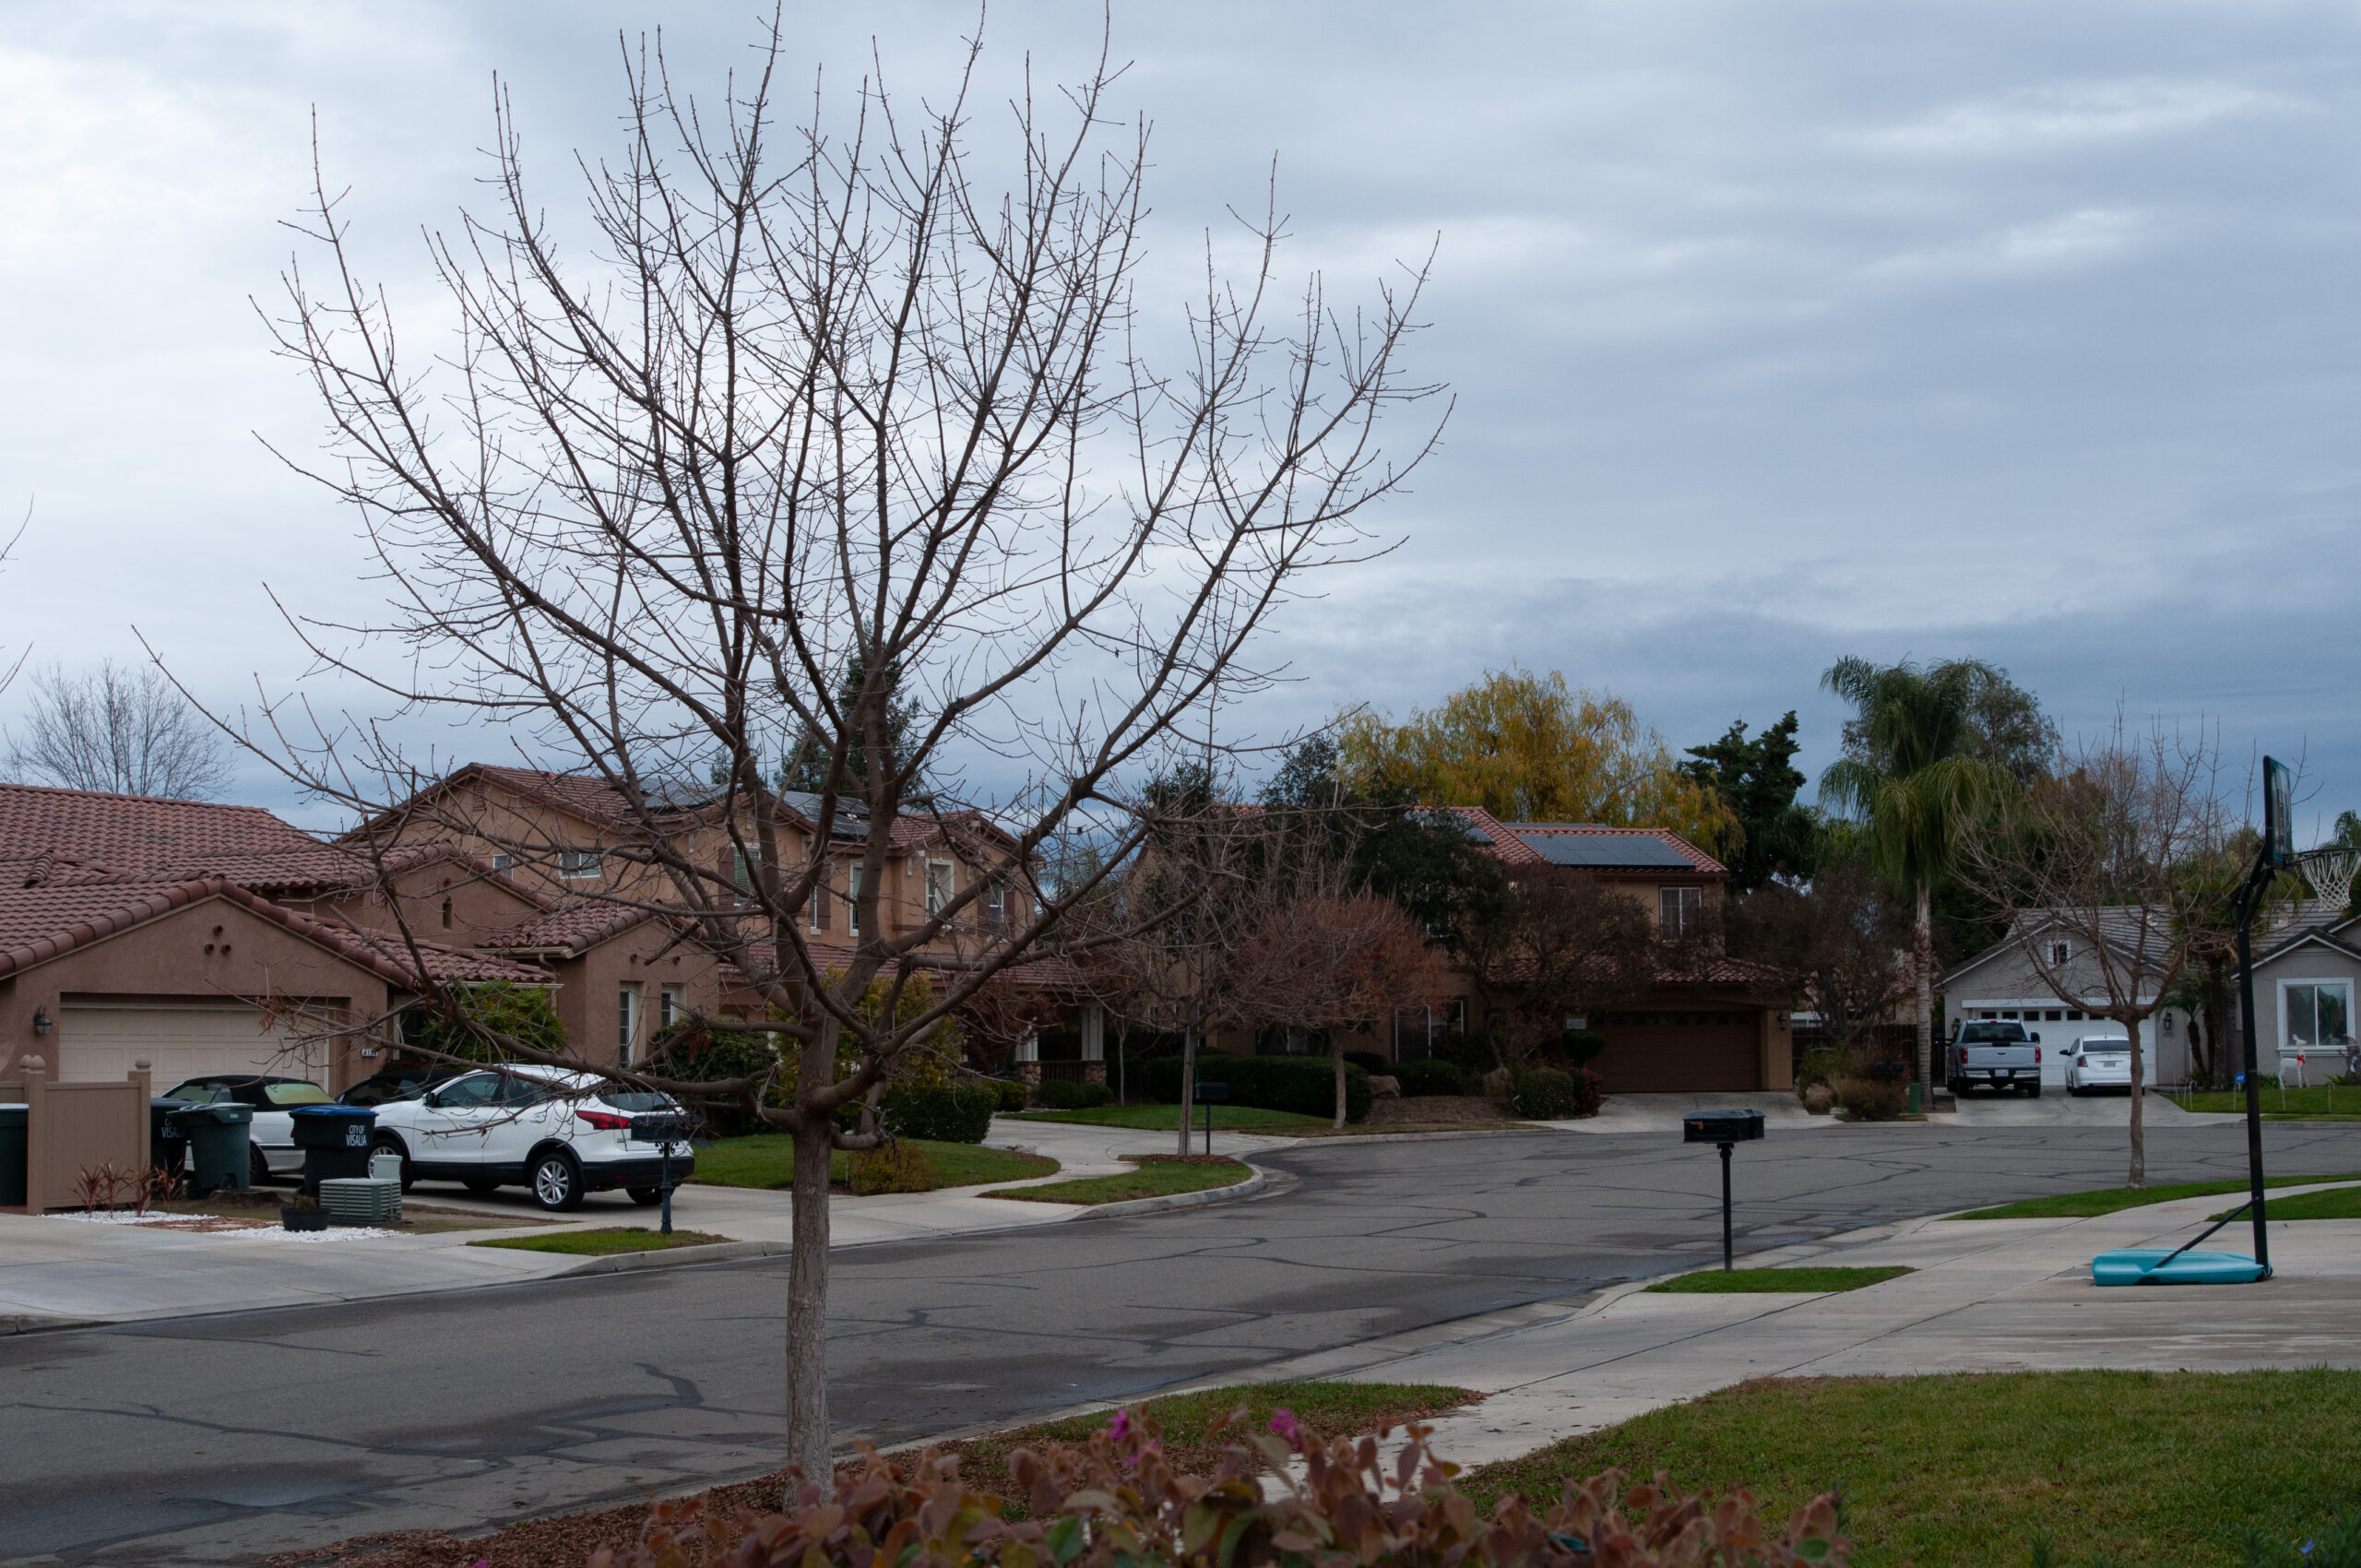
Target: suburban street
(225, 1438)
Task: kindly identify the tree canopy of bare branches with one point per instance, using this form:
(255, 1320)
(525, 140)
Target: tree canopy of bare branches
(2121, 855)
(818, 398)
(129, 731)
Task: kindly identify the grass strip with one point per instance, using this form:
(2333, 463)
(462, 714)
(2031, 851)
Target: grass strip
(1156, 1177)
(2136, 1467)
(2109, 1200)
(767, 1160)
(2337, 1203)
(1167, 1118)
(603, 1242)
(2327, 1100)
(1766, 1281)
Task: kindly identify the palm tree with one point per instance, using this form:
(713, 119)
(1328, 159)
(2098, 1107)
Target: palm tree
(1913, 781)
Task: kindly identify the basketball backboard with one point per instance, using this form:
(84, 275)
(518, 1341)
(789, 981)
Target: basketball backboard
(2278, 813)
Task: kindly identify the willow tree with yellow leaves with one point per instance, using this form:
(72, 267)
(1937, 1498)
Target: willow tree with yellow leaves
(1529, 748)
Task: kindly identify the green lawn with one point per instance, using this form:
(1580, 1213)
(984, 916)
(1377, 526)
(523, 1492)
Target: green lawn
(2107, 1200)
(599, 1243)
(768, 1159)
(2133, 1467)
(1167, 1118)
(2337, 1203)
(1154, 1178)
(2326, 1099)
(1754, 1281)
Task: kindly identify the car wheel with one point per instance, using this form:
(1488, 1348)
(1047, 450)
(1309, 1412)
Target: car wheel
(557, 1181)
(2033, 1091)
(258, 1167)
(646, 1197)
(481, 1185)
(383, 1143)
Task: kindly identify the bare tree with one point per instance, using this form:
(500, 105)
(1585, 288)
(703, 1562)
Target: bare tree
(816, 402)
(128, 732)
(1325, 961)
(1842, 941)
(1558, 944)
(2110, 872)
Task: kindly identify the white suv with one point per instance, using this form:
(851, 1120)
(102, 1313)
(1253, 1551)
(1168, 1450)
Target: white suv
(561, 1134)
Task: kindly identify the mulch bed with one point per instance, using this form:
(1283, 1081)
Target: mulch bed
(1431, 1109)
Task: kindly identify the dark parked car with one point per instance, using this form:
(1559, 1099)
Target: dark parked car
(273, 1134)
(397, 1083)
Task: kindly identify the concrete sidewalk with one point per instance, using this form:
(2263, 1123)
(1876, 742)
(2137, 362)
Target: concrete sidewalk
(1985, 1296)
(56, 1272)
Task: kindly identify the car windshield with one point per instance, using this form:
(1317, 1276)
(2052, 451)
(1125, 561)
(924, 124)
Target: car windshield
(635, 1100)
(195, 1094)
(296, 1094)
(1993, 1034)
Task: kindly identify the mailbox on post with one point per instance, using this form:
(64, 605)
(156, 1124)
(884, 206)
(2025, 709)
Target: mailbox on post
(1210, 1095)
(1723, 1127)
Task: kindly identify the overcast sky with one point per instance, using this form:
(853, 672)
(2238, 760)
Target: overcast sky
(1778, 331)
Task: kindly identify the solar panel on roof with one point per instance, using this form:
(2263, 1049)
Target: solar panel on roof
(1604, 850)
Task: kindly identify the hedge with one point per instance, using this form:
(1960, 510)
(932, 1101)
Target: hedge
(944, 1113)
(1068, 1094)
(1548, 1095)
(1306, 1085)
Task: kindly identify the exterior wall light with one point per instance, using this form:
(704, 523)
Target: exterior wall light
(43, 1023)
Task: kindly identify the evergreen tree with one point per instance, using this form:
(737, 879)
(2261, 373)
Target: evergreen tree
(1758, 780)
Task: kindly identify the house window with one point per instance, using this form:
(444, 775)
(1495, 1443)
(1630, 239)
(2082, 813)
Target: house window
(577, 864)
(1419, 1032)
(938, 886)
(2061, 954)
(852, 898)
(820, 900)
(1680, 913)
(446, 914)
(668, 1008)
(996, 910)
(2317, 1012)
(627, 1022)
(2073, 1014)
(503, 864)
(746, 868)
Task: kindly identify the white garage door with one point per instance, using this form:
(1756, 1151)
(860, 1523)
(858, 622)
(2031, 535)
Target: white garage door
(178, 1041)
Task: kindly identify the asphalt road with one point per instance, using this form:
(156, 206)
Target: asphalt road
(224, 1439)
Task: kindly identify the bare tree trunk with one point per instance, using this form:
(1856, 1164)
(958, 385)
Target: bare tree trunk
(1337, 1058)
(1923, 960)
(2138, 1176)
(808, 1446)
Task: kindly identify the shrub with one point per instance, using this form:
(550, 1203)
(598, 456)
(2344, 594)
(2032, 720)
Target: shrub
(521, 1012)
(1279, 1496)
(1303, 1084)
(700, 1052)
(896, 1167)
(1548, 1095)
(1870, 1100)
(1427, 1077)
(1581, 1047)
(1066, 1094)
(1013, 1095)
(944, 1113)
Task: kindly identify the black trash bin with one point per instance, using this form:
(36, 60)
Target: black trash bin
(221, 1148)
(335, 1141)
(167, 1144)
(16, 1121)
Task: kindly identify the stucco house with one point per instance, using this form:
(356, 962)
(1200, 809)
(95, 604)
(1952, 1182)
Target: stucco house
(2306, 973)
(2002, 981)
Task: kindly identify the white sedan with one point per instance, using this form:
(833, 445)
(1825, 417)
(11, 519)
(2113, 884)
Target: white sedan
(560, 1134)
(272, 1135)
(2098, 1061)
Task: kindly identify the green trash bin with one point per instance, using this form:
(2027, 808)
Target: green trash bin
(15, 1127)
(219, 1154)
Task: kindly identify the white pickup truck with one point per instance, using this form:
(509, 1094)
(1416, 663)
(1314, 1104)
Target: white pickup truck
(1994, 1053)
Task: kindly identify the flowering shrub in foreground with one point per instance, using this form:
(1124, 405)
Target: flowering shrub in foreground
(1115, 1503)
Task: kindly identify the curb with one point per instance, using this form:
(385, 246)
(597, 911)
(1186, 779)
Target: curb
(1415, 1137)
(1258, 1182)
(28, 1323)
(670, 1257)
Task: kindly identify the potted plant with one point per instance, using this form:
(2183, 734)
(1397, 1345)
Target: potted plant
(304, 1214)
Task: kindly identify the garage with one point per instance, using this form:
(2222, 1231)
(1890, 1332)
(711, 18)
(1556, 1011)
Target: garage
(1680, 1051)
(100, 1041)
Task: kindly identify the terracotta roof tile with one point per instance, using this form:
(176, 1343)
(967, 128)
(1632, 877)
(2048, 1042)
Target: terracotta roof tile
(568, 926)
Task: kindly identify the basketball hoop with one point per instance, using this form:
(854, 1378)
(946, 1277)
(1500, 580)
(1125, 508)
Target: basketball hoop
(2331, 871)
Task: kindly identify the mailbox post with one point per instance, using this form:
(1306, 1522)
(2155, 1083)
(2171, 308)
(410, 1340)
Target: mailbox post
(1726, 1128)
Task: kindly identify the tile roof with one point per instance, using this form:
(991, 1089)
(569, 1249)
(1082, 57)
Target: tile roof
(1528, 843)
(40, 923)
(568, 926)
(142, 835)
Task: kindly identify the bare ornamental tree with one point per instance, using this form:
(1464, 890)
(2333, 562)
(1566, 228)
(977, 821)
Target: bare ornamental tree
(816, 401)
(126, 731)
(2108, 875)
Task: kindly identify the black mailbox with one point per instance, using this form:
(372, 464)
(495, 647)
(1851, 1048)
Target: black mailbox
(1722, 1127)
(1212, 1094)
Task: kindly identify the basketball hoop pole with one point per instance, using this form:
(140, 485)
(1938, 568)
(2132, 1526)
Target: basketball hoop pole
(2249, 898)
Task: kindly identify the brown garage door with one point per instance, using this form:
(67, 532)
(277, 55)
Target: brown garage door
(1677, 1051)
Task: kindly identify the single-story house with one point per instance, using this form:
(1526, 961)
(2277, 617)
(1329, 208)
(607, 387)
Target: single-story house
(2003, 982)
